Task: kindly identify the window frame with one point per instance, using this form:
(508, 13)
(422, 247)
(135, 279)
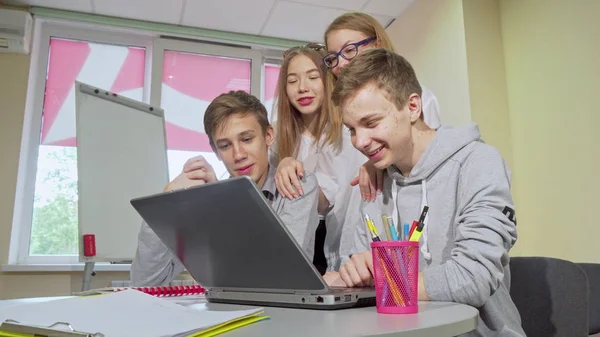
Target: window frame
(44, 30)
(202, 48)
(274, 57)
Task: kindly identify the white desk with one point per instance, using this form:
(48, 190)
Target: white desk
(434, 319)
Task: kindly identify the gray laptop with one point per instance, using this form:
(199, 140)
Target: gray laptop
(234, 245)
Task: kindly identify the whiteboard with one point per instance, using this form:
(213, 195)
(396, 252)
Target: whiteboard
(121, 155)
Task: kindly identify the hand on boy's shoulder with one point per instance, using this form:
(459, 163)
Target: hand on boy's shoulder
(196, 171)
(309, 185)
(288, 177)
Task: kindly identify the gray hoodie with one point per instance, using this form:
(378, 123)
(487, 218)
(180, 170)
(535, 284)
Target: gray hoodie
(469, 229)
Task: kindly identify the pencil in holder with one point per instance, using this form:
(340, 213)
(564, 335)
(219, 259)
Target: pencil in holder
(396, 276)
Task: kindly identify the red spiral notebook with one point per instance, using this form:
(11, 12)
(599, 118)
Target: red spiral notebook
(161, 291)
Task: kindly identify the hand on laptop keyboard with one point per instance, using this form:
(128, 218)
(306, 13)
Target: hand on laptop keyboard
(333, 279)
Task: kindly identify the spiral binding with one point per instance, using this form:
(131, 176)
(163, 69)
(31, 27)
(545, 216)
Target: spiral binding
(168, 291)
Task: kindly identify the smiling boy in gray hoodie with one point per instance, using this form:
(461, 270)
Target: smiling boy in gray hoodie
(471, 224)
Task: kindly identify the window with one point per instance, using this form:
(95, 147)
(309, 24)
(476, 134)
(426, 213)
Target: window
(117, 68)
(193, 74)
(181, 77)
(189, 83)
(45, 226)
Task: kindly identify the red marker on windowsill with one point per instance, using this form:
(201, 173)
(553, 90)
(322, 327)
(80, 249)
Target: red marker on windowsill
(89, 245)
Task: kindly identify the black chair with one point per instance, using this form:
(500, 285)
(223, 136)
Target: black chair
(551, 295)
(592, 270)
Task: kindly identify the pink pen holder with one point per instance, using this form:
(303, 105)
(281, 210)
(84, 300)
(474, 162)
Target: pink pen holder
(396, 275)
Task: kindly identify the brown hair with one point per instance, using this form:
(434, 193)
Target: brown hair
(229, 104)
(289, 126)
(364, 23)
(382, 68)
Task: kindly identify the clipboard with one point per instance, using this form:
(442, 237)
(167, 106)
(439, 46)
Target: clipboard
(70, 317)
(12, 328)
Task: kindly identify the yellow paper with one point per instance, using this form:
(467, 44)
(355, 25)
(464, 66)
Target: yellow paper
(10, 334)
(229, 326)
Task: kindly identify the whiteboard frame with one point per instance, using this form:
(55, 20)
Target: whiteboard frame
(86, 89)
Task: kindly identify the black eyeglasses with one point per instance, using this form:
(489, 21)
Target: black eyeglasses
(348, 52)
(312, 45)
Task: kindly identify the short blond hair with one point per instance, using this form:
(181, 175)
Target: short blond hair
(384, 69)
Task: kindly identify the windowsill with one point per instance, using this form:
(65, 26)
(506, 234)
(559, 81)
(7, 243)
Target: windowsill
(19, 268)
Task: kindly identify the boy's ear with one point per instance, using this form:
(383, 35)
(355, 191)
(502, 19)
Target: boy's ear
(415, 107)
(270, 135)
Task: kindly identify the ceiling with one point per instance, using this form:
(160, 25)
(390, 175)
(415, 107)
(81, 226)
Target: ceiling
(304, 20)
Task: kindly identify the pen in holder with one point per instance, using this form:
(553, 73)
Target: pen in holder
(396, 276)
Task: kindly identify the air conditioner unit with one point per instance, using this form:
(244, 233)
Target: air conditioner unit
(15, 31)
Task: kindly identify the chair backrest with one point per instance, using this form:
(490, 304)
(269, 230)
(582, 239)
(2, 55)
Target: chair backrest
(551, 295)
(592, 270)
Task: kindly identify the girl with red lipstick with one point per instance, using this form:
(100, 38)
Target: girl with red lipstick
(302, 129)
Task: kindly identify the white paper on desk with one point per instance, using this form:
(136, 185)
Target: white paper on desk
(123, 314)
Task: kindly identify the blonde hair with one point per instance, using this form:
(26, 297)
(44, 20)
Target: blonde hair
(369, 26)
(386, 70)
(364, 23)
(289, 126)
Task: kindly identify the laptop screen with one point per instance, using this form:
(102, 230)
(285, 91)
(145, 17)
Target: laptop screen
(228, 237)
